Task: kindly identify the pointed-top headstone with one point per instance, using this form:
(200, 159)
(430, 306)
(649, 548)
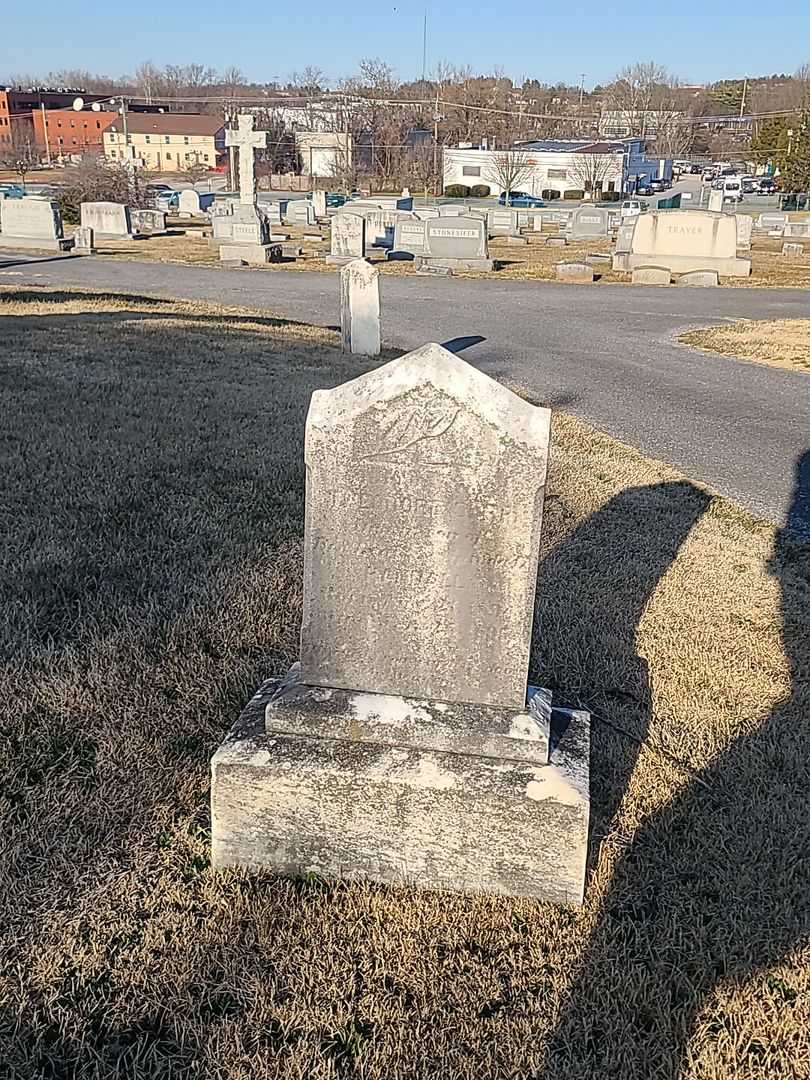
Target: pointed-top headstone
(425, 483)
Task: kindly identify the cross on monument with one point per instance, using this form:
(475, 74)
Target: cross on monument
(246, 140)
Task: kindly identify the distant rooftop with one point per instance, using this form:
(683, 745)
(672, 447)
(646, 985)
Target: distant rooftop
(572, 146)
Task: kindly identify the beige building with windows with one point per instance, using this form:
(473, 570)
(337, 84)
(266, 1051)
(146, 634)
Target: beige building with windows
(169, 142)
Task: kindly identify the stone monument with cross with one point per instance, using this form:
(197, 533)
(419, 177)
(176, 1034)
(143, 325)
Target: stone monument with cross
(249, 229)
(406, 745)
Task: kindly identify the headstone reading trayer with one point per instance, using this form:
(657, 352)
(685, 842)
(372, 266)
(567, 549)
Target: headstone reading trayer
(360, 308)
(684, 240)
(32, 223)
(249, 230)
(406, 745)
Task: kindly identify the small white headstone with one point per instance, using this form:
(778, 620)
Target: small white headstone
(188, 204)
(319, 203)
(360, 308)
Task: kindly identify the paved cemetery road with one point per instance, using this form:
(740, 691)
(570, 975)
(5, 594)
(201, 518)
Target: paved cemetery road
(606, 353)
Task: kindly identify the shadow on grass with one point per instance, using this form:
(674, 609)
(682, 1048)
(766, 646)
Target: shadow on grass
(729, 901)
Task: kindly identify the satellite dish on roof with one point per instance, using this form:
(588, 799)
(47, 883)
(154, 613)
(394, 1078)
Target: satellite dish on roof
(78, 104)
(95, 107)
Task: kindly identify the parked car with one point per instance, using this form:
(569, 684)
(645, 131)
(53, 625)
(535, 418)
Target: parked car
(749, 185)
(658, 185)
(12, 191)
(632, 208)
(155, 189)
(644, 188)
(767, 186)
(520, 198)
(696, 170)
(708, 175)
(336, 200)
(167, 200)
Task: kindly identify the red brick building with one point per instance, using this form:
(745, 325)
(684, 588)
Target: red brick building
(21, 119)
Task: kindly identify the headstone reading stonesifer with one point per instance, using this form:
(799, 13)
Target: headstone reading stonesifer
(35, 223)
(107, 219)
(458, 242)
(360, 308)
(407, 745)
(348, 238)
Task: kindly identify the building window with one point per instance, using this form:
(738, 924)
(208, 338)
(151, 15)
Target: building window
(558, 174)
(98, 125)
(205, 157)
(186, 139)
(147, 138)
(470, 170)
(168, 157)
(168, 138)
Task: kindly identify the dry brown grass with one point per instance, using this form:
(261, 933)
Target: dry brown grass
(535, 262)
(152, 484)
(781, 343)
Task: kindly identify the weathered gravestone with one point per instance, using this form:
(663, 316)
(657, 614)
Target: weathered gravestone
(589, 222)
(792, 248)
(699, 278)
(452, 210)
(716, 199)
(684, 240)
(503, 222)
(348, 238)
(745, 226)
(458, 242)
(771, 221)
(299, 212)
(409, 239)
(407, 745)
(624, 237)
(83, 241)
(360, 308)
(33, 223)
(188, 203)
(107, 219)
(319, 203)
(651, 275)
(147, 222)
(573, 271)
(797, 228)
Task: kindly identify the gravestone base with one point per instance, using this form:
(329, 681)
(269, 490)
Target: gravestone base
(340, 260)
(42, 243)
(423, 262)
(683, 264)
(252, 254)
(396, 790)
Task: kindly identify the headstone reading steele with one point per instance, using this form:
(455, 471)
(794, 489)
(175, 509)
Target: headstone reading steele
(406, 745)
(35, 223)
(588, 222)
(360, 308)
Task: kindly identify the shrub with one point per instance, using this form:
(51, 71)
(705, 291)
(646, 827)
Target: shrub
(98, 182)
(574, 193)
(549, 194)
(480, 191)
(457, 191)
(609, 196)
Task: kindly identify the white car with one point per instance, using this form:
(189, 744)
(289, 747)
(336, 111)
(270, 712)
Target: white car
(632, 208)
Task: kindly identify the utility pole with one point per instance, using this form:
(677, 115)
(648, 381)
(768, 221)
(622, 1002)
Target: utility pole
(436, 118)
(742, 101)
(581, 89)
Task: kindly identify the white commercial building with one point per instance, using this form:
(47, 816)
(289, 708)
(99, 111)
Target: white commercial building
(554, 165)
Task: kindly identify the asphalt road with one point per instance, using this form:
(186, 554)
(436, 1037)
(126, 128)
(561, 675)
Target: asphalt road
(606, 353)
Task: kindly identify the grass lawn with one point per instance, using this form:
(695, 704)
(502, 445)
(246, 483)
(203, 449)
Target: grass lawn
(152, 507)
(781, 343)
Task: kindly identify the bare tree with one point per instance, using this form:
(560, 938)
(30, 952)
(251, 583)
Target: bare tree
(426, 167)
(508, 169)
(639, 91)
(594, 171)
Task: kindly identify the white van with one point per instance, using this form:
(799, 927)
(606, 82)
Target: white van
(732, 189)
(632, 208)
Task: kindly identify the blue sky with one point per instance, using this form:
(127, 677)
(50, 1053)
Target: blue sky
(699, 40)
